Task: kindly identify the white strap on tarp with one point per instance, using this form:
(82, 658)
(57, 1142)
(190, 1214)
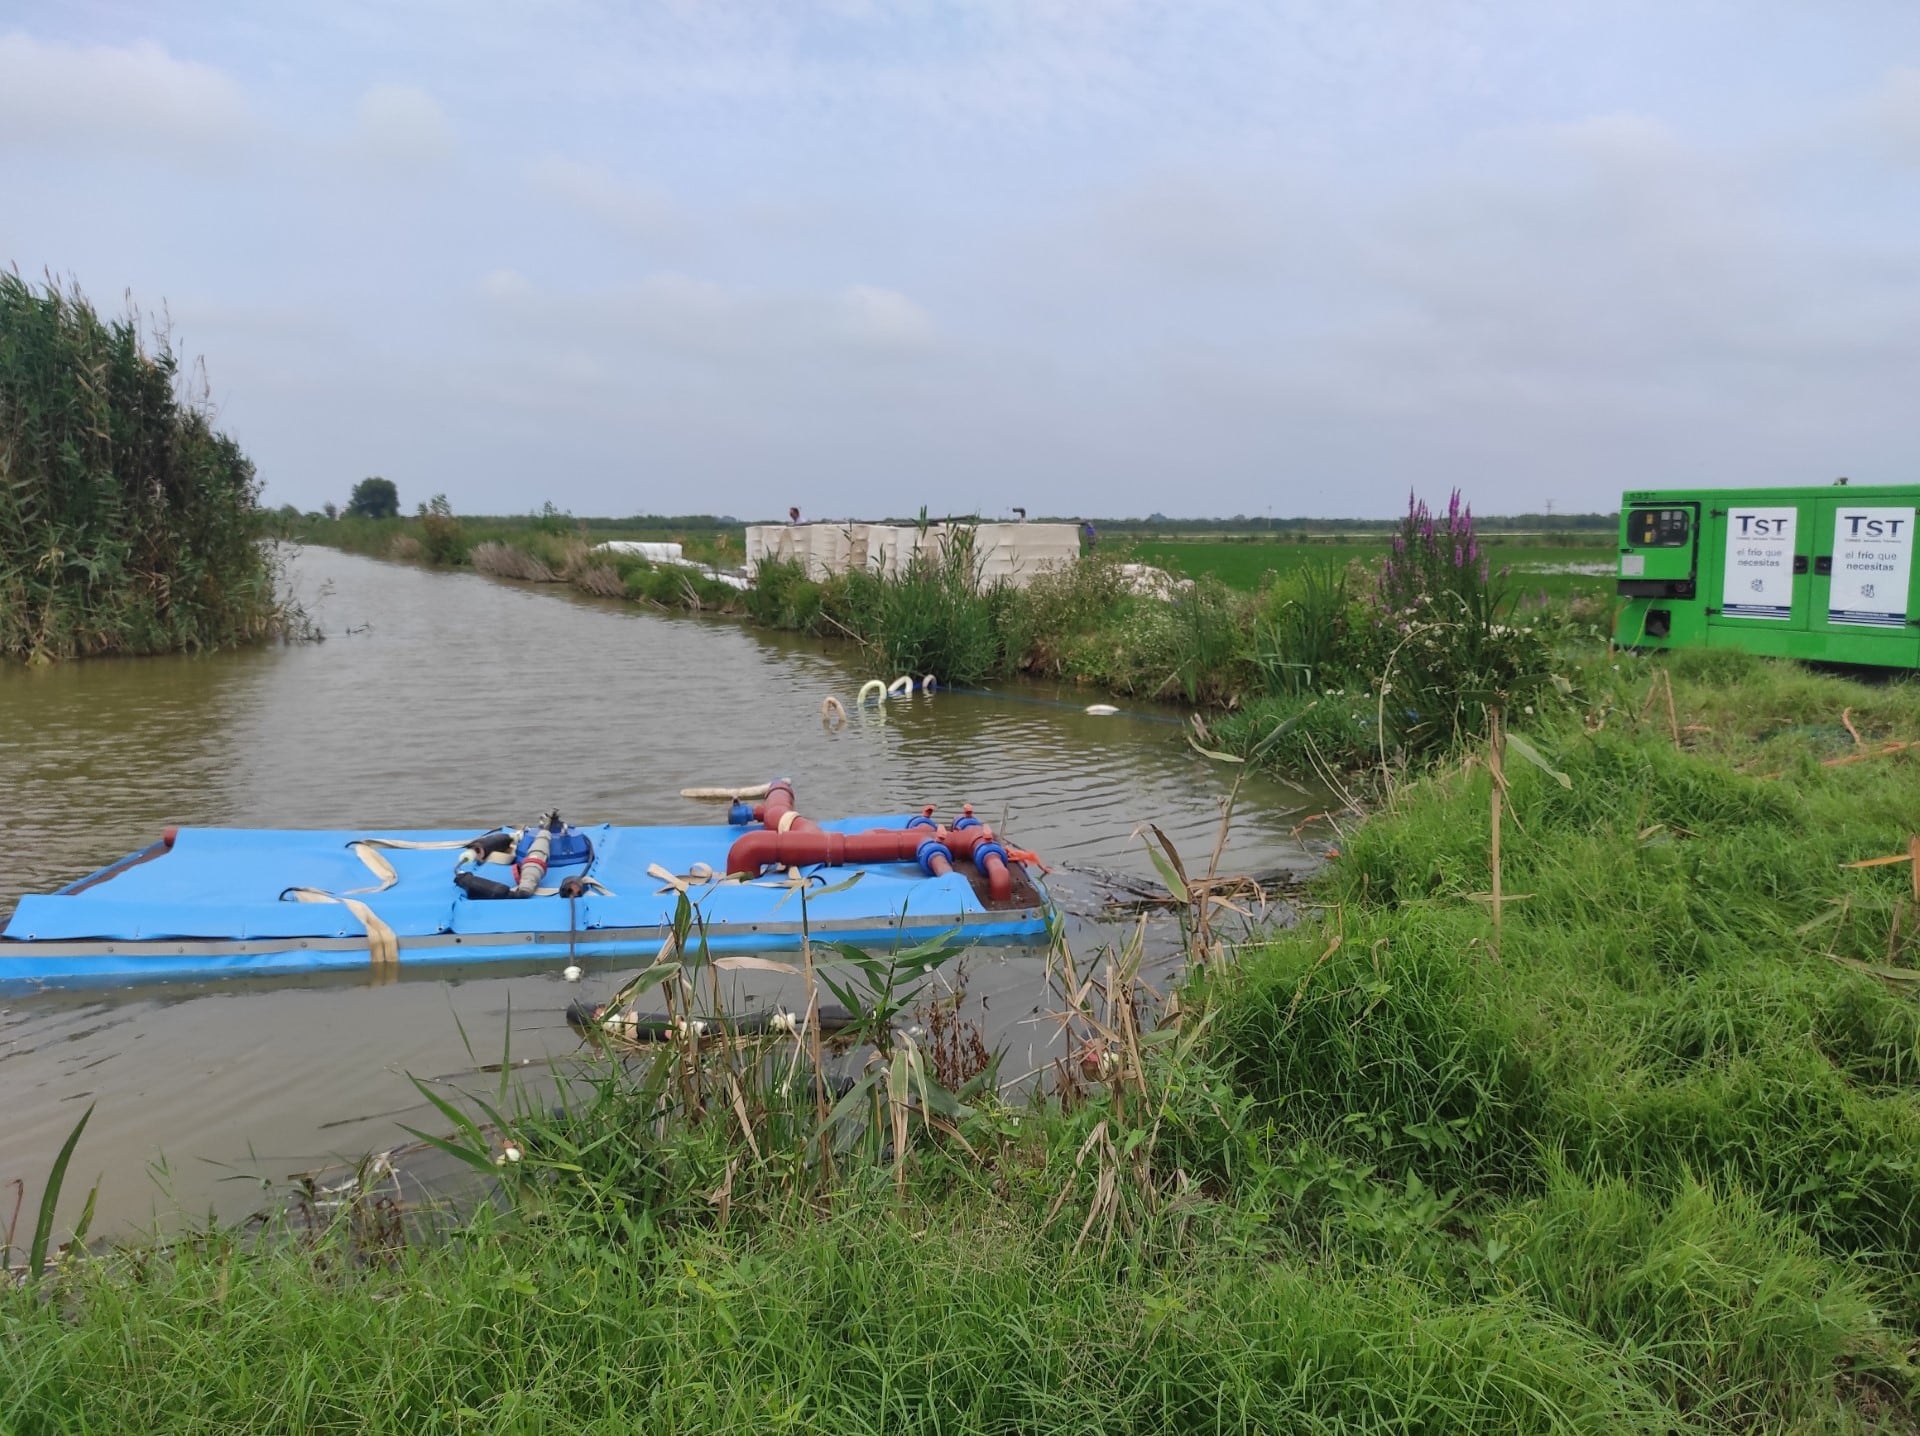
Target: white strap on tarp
(383, 948)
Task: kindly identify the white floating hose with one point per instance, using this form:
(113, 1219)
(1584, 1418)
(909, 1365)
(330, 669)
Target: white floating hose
(874, 686)
(1102, 710)
(901, 687)
(929, 683)
(727, 795)
(833, 713)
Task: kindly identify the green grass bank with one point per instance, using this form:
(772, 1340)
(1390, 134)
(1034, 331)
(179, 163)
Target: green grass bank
(1242, 625)
(1634, 1152)
(545, 548)
(128, 524)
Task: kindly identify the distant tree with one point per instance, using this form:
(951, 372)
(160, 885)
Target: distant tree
(374, 498)
(331, 510)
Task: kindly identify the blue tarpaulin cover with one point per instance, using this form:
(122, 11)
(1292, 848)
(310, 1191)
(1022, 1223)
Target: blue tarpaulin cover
(213, 905)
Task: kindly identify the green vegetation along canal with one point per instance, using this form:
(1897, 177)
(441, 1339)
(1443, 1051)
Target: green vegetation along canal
(458, 701)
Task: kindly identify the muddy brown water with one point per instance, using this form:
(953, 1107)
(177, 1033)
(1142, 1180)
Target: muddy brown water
(450, 700)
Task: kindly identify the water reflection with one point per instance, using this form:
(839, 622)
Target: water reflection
(458, 701)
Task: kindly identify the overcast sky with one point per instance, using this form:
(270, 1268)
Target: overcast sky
(1083, 257)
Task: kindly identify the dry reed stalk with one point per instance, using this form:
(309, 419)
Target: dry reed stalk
(814, 1045)
(1885, 751)
(1662, 686)
(499, 560)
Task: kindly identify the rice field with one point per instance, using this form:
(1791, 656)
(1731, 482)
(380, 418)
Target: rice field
(1537, 568)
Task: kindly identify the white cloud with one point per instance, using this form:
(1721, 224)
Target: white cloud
(505, 284)
(403, 127)
(680, 315)
(635, 210)
(1895, 111)
(1236, 228)
(883, 319)
(56, 96)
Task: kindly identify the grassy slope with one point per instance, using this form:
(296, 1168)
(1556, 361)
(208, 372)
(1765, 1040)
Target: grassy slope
(1649, 1166)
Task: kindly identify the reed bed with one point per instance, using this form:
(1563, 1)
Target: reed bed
(128, 524)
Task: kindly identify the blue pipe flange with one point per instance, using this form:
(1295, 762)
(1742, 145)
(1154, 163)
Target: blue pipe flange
(980, 855)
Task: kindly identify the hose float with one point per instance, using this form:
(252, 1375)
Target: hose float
(902, 687)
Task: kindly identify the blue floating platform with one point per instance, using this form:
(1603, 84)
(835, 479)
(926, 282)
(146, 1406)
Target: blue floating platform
(216, 903)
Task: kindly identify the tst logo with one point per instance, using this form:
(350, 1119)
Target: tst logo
(1753, 526)
(1860, 526)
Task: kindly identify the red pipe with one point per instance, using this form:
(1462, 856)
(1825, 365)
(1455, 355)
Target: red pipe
(753, 851)
(777, 812)
(999, 880)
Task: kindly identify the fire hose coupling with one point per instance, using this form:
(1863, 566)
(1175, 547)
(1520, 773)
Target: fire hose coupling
(922, 820)
(934, 857)
(740, 814)
(967, 819)
(983, 851)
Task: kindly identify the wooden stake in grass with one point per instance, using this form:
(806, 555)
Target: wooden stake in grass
(1497, 770)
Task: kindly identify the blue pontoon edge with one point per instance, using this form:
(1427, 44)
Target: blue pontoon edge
(246, 902)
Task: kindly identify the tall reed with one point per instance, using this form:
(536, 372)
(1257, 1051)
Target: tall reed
(128, 524)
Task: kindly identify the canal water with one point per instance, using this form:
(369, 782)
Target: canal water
(449, 701)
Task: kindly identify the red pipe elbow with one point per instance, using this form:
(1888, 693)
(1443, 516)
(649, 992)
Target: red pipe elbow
(777, 811)
(999, 879)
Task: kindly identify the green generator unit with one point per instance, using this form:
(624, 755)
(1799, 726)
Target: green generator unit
(1823, 573)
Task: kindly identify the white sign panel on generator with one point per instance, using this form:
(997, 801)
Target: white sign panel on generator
(1872, 561)
(1758, 580)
